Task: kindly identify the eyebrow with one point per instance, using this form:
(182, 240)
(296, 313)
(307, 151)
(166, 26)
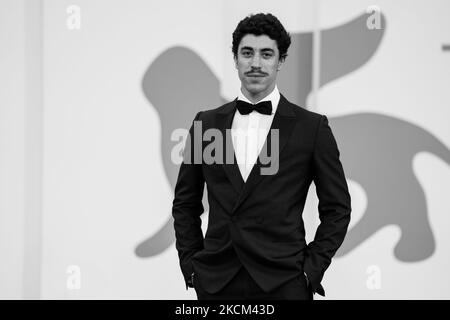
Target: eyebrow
(263, 49)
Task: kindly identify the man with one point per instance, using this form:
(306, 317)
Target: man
(255, 247)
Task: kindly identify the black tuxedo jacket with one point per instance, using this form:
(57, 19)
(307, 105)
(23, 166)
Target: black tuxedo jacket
(258, 223)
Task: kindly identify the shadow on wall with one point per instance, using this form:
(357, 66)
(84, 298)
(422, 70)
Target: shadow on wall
(376, 150)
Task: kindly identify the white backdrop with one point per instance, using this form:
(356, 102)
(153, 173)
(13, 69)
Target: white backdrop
(104, 187)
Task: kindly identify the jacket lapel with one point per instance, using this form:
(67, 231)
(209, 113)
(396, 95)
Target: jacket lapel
(283, 121)
(224, 122)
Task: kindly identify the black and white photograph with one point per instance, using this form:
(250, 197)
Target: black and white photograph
(220, 150)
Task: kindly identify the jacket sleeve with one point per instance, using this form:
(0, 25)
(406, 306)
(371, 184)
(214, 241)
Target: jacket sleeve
(187, 205)
(334, 206)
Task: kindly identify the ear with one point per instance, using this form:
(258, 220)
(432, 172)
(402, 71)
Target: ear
(280, 63)
(235, 62)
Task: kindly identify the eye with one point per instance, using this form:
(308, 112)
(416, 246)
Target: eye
(267, 55)
(246, 53)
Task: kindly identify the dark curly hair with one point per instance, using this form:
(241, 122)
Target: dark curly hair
(259, 24)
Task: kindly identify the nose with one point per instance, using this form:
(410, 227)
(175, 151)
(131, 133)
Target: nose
(256, 61)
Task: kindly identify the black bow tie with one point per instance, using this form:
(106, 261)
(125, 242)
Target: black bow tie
(264, 107)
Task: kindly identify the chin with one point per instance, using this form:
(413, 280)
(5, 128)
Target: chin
(255, 88)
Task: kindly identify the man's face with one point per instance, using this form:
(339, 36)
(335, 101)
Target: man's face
(258, 63)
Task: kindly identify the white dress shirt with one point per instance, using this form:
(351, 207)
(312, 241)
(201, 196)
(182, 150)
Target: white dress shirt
(249, 132)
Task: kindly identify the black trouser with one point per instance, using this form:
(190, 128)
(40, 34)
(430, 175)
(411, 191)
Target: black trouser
(242, 286)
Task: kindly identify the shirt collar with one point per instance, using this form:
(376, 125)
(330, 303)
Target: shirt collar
(273, 97)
